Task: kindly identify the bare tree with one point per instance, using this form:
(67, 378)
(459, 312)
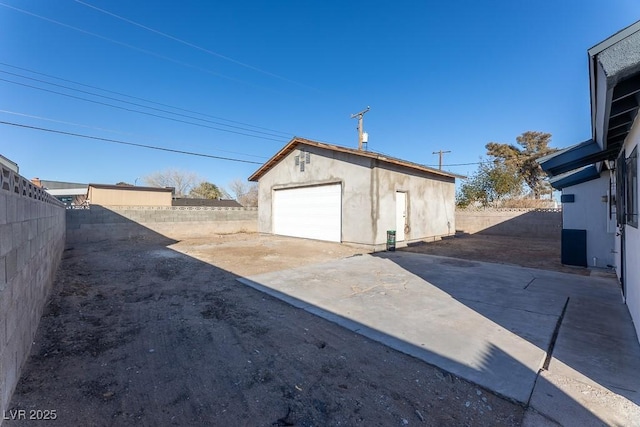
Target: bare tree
(80, 200)
(246, 193)
(181, 181)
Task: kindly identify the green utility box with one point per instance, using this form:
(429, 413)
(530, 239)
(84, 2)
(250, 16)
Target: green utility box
(391, 240)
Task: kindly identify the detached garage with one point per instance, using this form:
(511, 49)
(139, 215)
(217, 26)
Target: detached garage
(321, 191)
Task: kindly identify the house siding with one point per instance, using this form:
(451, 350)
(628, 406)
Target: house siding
(128, 197)
(632, 246)
(586, 213)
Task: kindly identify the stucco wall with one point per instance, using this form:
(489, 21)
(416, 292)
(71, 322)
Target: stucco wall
(173, 222)
(632, 246)
(430, 204)
(368, 195)
(590, 213)
(32, 231)
(127, 197)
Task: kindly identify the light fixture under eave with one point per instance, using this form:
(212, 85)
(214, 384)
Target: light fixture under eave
(611, 164)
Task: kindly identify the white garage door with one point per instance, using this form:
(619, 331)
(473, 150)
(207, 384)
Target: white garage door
(310, 212)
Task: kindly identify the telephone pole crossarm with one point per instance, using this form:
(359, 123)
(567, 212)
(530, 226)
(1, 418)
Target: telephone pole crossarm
(360, 117)
(440, 153)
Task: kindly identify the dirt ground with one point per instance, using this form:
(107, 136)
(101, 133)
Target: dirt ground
(160, 333)
(542, 253)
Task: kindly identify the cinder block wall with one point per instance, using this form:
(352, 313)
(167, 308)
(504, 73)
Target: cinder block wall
(32, 234)
(173, 222)
(518, 222)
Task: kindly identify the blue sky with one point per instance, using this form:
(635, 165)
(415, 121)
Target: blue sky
(437, 75)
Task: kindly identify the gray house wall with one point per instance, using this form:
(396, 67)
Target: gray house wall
(631, 244)
(368, 195)
(587, 213)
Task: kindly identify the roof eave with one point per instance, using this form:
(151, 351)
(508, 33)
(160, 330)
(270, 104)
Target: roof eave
(273, 160)
(604, 77)
(575, 177)
(614, 79)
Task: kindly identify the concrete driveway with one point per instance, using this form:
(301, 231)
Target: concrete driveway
(561, 344)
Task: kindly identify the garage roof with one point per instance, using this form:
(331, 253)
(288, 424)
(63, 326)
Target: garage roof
(296, 141)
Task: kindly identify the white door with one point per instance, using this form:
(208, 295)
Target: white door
(401, 214)
(309, 212)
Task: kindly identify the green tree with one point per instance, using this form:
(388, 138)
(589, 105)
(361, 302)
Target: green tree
(206, 190)
(522, 160)
(493, 182)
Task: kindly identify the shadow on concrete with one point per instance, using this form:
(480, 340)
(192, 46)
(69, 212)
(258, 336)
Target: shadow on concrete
(594, 334)
(492, 362)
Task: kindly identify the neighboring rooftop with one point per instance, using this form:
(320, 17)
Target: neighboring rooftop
(58, 185)
(131, 188)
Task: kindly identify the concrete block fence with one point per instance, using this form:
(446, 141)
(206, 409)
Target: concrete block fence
(32, 235)
(520, 222)
(174, 222)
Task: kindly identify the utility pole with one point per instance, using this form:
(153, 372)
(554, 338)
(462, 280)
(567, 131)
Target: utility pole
(360, 117)
(440, 153)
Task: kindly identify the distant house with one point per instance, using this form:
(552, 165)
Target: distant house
(599, 177)
(321, 191)
(69, 193)
(120, 195)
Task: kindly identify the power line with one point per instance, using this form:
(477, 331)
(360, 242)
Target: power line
(15, 113)
(143, 99)
(141, 112)
(129, 46)
(192, 45)
(115, 141)
(138, 105)
(462, 164)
